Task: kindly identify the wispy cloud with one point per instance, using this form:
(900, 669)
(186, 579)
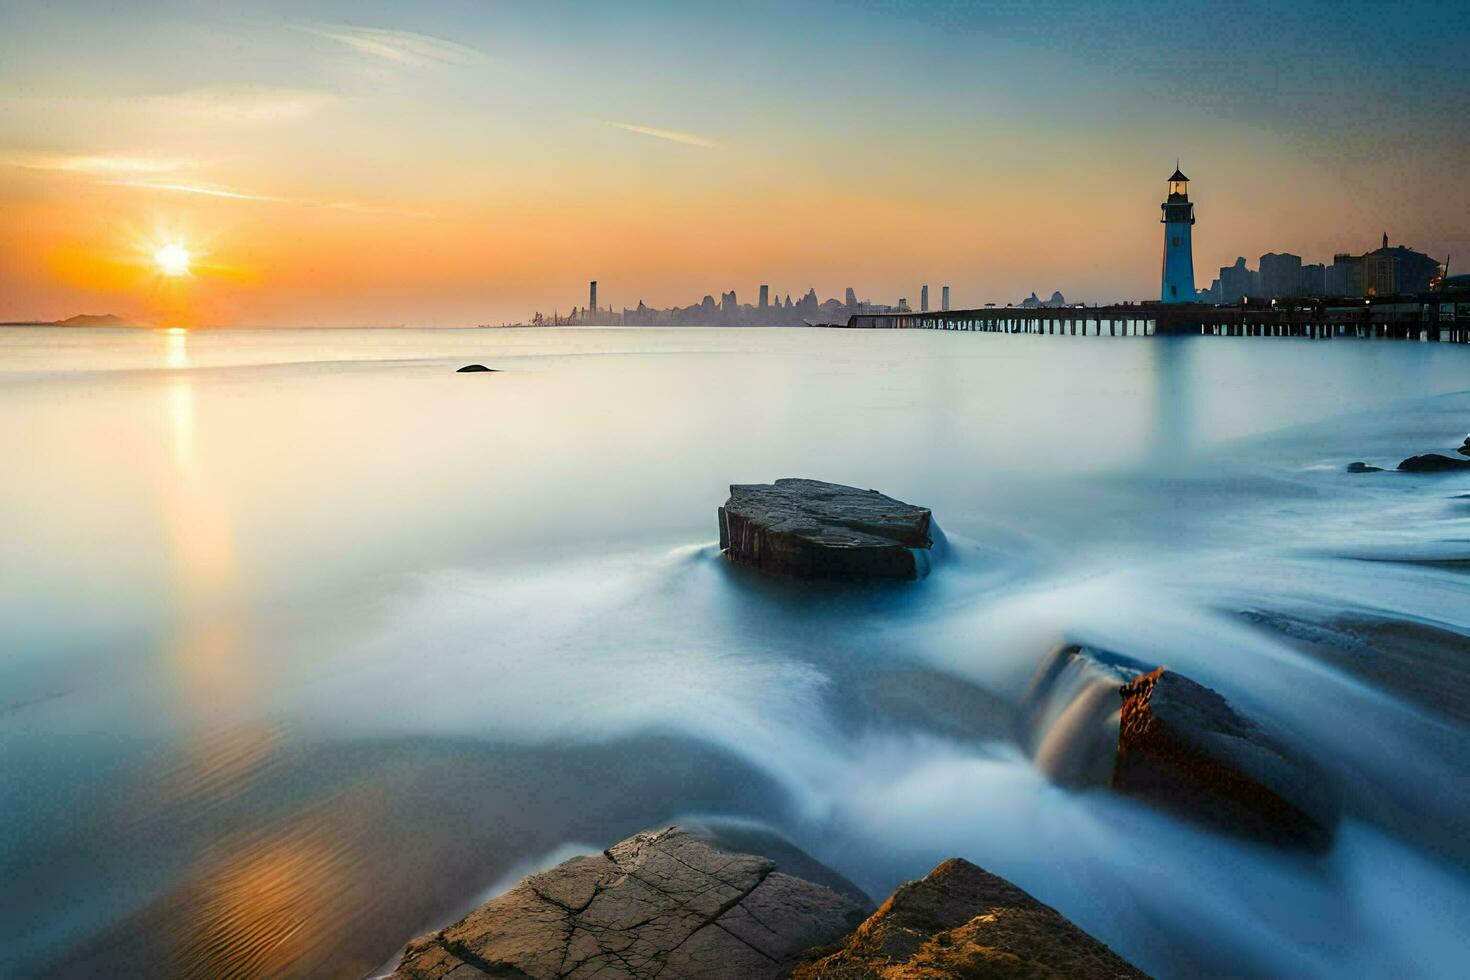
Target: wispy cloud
(214, 190)
(672, 135)
(400, 47)
(245, 105)
(98, 164)
(204, 189)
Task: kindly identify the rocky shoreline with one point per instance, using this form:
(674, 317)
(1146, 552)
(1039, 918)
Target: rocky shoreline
(685, 902)
(675, 904)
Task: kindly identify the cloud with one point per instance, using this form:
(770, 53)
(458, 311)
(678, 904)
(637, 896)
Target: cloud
(204, 189)
(400, 47)
(245, 105)
(98, 164)
(672, 135)
(214, 190)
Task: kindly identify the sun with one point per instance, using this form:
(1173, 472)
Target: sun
(173, 260)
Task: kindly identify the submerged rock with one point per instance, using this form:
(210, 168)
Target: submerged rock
(961, 921)
(1362, 467)
(1068, 719)
(810, 529)
(670, 904)
(1433, 463)
(475, 369)
(1182, 746)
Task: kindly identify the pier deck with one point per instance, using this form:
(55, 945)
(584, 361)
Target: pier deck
(1421, 318)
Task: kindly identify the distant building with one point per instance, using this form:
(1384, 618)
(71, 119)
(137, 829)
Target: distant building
(924, 298)
(851, 297)
(1344, 277)
(1236, 282)
(1397, 269)
(1281, 275)
(1314, 279)
(592, 296)
(765, 297)
(1380, 273)
(1178, 222)
(944, 298)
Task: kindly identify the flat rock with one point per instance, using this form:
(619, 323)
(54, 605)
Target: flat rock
(475, 369)
(670, 904)
(1182, 746)
(962, 921)
(1433, 463)
(810, 529)
(1362, 467)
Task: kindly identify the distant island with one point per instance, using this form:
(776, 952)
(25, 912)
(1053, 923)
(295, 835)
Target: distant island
(80, 320)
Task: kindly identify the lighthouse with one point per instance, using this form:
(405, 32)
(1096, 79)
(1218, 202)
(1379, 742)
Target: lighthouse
(1178, 221)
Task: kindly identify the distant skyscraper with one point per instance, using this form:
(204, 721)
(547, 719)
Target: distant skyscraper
(765, 297)
(924, 298)
(592, 296)
(1314, 279)
(1281, 275)
(1397, 269)
(851, 297)
(1235, 282)
(1380, 272)
(944, 298)
(1345, 275)
(1178, 222)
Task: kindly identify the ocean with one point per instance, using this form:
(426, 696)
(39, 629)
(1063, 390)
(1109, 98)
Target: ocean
(309, 643)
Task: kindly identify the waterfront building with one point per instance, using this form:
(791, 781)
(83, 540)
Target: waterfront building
(1314, 279)
(1345, 275)
(944, 298)
(851, 297)
(765, 297)
(1390, 270)
(1178, 222)
(592, 296)
(1236, 281)
(924, 298)
(1281, 275)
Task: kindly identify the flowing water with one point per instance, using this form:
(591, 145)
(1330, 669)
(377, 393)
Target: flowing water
(308, 643)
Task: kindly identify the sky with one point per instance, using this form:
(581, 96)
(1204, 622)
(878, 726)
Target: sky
(452, 162)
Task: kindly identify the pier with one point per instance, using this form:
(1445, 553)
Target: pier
(1441, 317)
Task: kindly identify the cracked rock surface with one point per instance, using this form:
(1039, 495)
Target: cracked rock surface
(668, 904)
(962, 921)
(811, 529)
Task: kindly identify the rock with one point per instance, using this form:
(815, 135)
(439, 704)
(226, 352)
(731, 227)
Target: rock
(1362, 467)
(671, 904)
(1464, 450)
(961, 921)
(810, 529)
(1182, 746)
(1433, 463)
(475, 369)
(1068, 719)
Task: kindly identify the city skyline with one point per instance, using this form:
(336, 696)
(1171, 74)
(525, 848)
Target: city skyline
(336, 164)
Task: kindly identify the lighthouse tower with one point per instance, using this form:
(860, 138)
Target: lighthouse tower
(1178, 221)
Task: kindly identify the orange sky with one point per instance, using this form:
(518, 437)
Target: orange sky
(450, 171)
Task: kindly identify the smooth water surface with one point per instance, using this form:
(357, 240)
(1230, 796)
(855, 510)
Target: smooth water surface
(307, 642)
